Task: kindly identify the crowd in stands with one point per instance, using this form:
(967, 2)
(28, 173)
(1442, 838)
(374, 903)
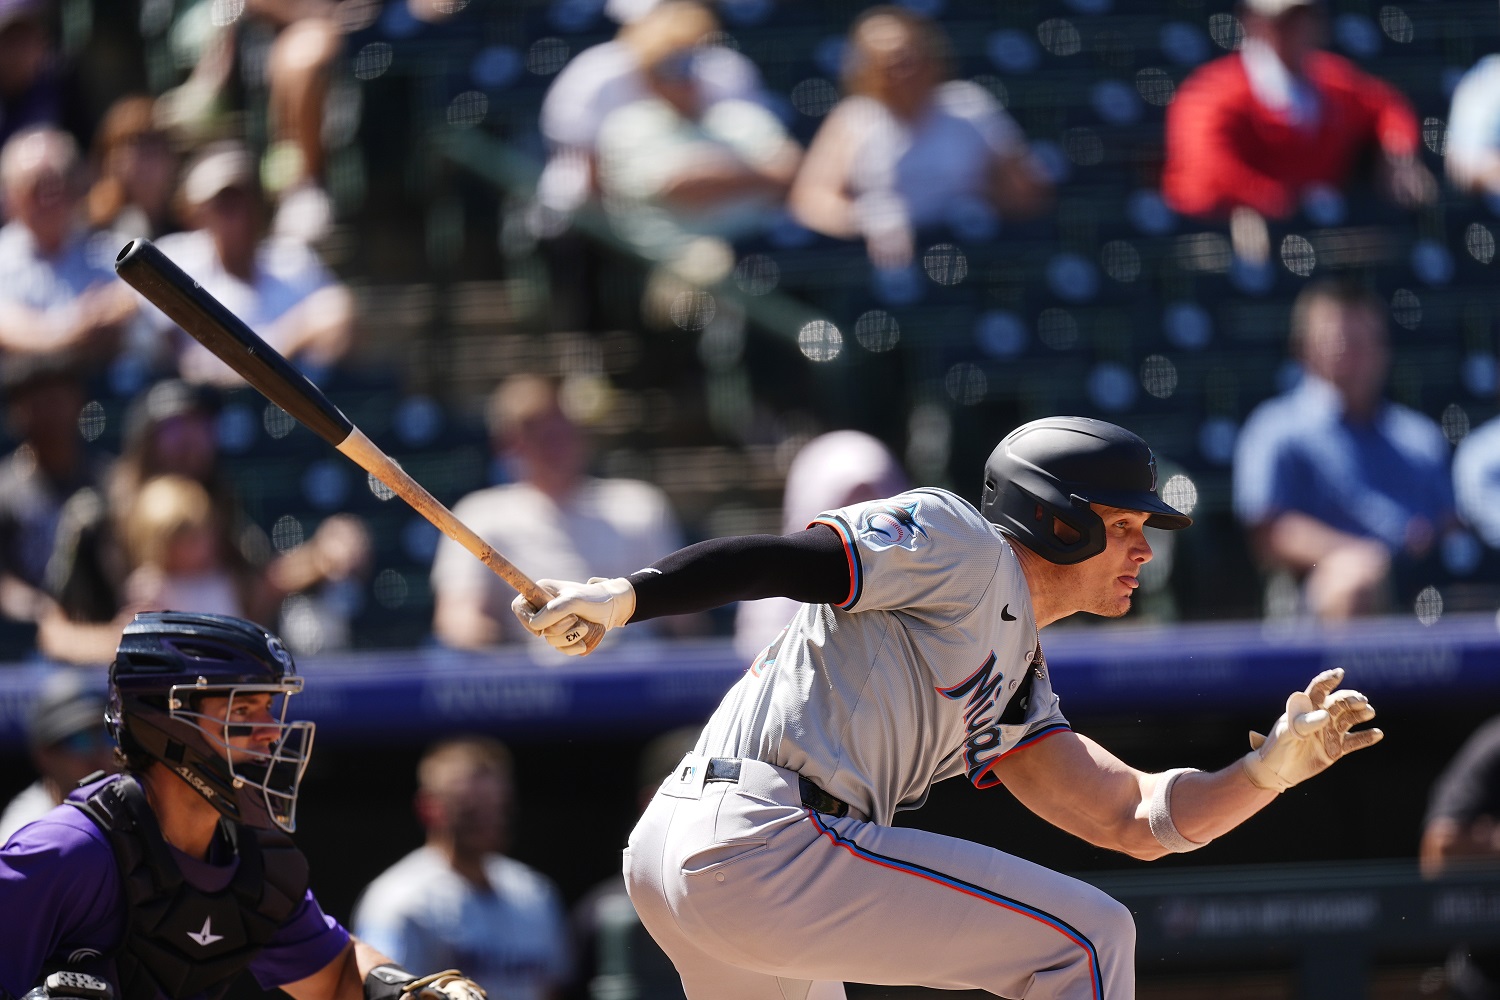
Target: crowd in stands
(677, 139)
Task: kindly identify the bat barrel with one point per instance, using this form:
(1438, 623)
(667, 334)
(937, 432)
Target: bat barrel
(152, 273)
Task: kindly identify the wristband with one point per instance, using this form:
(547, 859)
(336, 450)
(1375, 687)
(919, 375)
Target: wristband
(387, 982)
(1160, 813)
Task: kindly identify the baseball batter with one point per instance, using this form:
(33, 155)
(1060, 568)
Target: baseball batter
(766, 865)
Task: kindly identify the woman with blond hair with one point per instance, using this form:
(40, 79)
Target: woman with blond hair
(175, 554)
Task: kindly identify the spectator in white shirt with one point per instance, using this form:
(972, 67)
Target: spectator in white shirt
(1473, 153)
(276, 285)
(908, 146)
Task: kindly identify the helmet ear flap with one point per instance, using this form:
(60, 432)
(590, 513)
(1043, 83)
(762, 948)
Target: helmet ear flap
(1032, 519)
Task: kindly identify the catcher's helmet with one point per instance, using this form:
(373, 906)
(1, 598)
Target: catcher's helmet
(1056, 467)
(166, 663)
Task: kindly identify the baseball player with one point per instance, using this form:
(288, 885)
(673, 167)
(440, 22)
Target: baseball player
(168, 880)
(766, 865)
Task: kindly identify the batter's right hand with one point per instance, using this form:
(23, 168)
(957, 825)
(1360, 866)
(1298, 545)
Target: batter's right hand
(1311, 734)
(606, 602)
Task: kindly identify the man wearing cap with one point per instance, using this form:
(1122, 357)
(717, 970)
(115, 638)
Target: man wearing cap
(66, 738)
(277, 286)
(1262, 126)
(58, 290)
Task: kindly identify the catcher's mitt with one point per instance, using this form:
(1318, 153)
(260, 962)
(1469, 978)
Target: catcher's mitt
(450, 984)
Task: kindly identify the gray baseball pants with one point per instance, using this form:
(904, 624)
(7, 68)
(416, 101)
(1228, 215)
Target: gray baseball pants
(756, 897)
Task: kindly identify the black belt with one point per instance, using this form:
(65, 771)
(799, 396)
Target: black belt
(728, 769)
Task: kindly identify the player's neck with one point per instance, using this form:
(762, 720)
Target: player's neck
(1049, 598)
(187, 820)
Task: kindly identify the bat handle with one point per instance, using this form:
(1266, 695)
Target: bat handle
(368, 456)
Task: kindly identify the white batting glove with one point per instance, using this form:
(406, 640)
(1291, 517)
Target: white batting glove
(565, 620)
(1310, 735)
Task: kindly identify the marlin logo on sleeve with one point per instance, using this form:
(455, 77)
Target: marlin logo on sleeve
(982, 739)
(892, 524)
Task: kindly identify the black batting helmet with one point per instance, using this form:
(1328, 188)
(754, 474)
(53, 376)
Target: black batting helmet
(166, 664)
(1056, 467)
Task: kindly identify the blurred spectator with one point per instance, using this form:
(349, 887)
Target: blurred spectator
(56, 290)
(1265, 126)
(135, 172)
(44, 396)
(715, 163)
(30, 94)
(277, 286)
(67, 741)
(176, 561)
(1473, 150)
(1462, 828)
(552, 521)
(612, 75)
(169, 430)
(1344, 489)
(299, 67)
(909, 147)
(617, 958)
(307, 43)
(1476, 481)
(458, 901)
(830, 471)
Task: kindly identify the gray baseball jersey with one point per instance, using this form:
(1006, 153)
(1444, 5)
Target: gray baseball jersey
(931, 667)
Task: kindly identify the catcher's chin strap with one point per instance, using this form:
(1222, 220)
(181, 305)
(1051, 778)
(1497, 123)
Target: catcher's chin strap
(391, 982)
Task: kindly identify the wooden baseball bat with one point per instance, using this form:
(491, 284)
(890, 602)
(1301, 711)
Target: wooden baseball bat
(150, 272)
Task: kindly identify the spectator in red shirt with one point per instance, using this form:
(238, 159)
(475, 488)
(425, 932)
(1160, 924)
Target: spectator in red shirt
(1260, 127)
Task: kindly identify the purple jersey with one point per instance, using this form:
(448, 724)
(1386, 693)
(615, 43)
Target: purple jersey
(61, 902)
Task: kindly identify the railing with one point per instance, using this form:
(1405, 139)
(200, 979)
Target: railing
(640, 687)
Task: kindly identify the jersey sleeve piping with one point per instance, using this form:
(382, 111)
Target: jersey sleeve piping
(989, 779)
(851, 552)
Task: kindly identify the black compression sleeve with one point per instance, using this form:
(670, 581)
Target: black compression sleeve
(808, 566)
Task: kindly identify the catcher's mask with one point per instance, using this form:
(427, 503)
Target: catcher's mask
(1054, 468)
(167, 663)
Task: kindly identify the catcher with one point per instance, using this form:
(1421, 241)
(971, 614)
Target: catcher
(767, 866)
(168, 880)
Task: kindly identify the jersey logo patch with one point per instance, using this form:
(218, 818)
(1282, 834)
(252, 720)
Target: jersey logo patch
(891, 525)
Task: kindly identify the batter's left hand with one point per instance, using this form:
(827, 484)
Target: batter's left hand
(1311, 734)
(562, 620)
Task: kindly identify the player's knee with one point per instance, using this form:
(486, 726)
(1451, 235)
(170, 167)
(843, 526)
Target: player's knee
(1113, 930)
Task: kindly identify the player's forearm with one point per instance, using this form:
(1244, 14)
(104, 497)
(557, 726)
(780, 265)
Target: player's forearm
(808, 566)
(1206, 805)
